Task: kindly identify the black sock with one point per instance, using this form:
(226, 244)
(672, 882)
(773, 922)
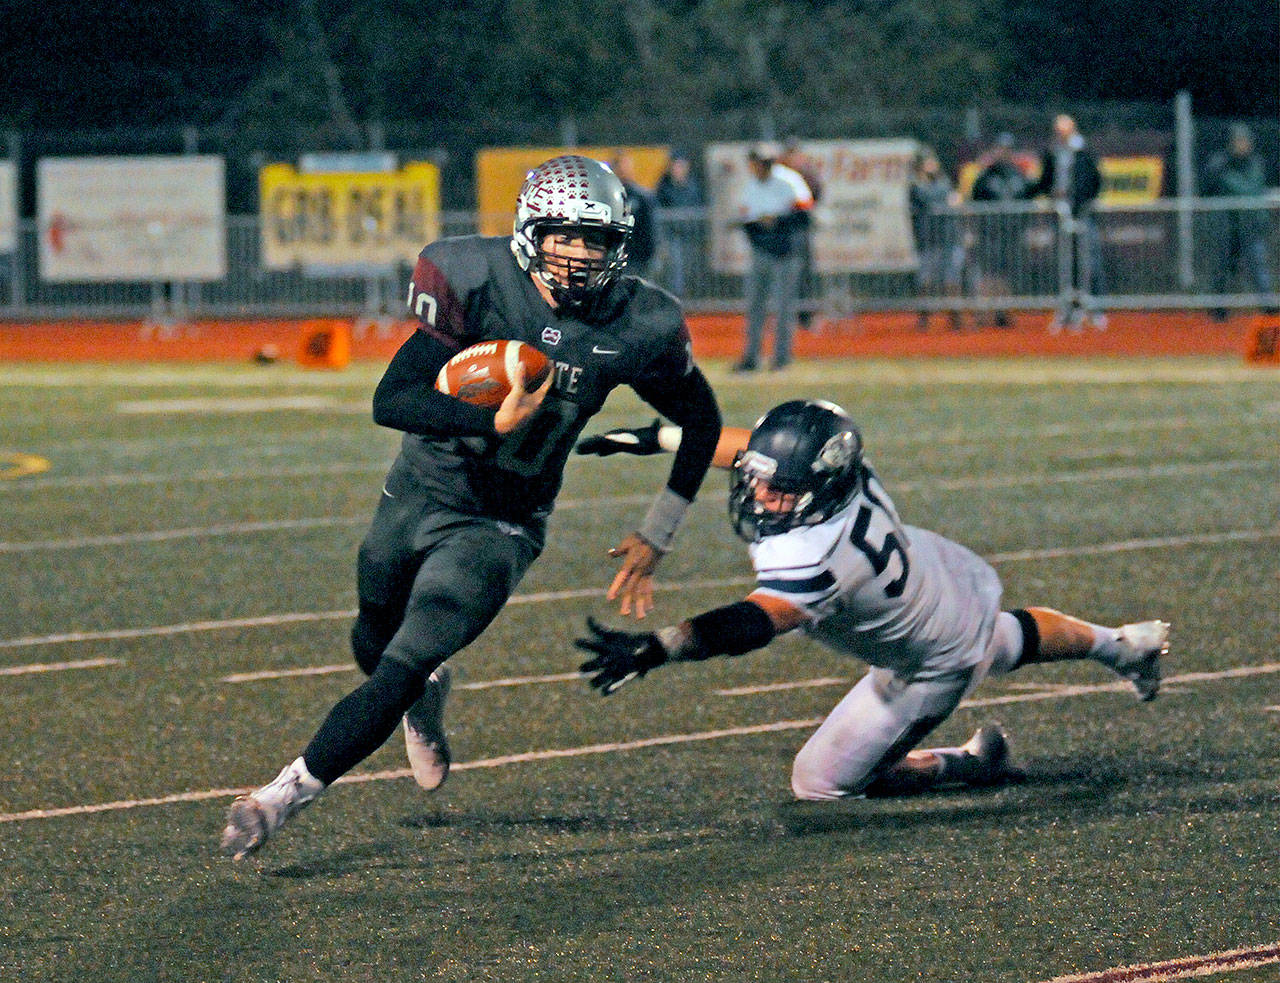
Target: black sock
(361, 721)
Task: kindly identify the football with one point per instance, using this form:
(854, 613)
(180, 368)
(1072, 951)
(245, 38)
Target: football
(481, 374)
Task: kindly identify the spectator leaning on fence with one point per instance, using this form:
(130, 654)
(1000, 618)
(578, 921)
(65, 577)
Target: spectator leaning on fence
(938, 239)
(1237, 172)
(772, 205)
(1001, 180)
(1069, 175)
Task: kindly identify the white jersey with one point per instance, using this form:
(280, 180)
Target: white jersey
(895, 596)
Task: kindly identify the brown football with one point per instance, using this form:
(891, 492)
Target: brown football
(481, 374)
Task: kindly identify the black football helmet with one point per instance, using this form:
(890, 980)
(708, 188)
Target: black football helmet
(808, 448)
(582, 197)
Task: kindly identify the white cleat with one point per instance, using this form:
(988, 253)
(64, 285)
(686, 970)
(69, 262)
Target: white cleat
(989, 747)
(424, 737)
(254, 818)
(1141, 645)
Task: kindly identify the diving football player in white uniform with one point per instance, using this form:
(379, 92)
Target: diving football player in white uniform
(833, 559)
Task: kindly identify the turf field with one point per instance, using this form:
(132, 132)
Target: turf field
(178, 585)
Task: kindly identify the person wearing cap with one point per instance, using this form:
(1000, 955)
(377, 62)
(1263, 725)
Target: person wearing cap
(1001, 180)
(1237, 172)
(772, 206)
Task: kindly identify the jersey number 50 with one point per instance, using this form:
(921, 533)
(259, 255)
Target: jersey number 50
(879, 558)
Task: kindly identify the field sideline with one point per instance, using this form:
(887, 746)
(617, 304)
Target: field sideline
(179, 547)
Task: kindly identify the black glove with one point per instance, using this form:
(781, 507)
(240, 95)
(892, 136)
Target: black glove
(619, 655)
(642, 441)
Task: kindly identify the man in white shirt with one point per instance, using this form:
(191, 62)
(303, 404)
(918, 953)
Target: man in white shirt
(772, 207)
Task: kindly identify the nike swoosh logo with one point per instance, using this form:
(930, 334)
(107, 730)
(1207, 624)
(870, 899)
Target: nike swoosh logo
(387, 493)
(597, 350)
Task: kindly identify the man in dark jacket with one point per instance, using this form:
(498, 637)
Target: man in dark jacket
(1069, 175)
(1236, 172)
(1001, 180)
(644, 233)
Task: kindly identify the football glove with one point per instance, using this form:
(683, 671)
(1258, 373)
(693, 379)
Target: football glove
(620, 656)
(642, 441)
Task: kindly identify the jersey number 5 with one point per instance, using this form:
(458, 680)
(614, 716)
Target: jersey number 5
(879, 558)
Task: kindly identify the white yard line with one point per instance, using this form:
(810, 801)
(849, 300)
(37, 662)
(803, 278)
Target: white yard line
(166, 535)
(59, 666)
(1182, 968)
(1115, 473)
(616, 747)
(779, 687)
(188, 477)
(1095, 549)
(211, 405)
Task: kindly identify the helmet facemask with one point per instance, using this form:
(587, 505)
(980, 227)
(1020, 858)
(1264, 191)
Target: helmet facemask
(575, 281)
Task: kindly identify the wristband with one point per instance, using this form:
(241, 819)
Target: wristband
(734, 629)
(663, 519)
(669, 438)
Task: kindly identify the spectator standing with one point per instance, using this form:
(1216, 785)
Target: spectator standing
(800, 162)
(1237, 172)
(939, 245)
(1001, 180)
(679, 197)
(644, 234)
(1069, 175)
(772, 205)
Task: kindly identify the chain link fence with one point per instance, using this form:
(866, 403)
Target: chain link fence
(1209, 253)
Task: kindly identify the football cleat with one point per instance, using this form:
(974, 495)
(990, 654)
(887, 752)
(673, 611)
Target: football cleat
(989, 747)
(254, 818)
(424, 738)
(1141, 644)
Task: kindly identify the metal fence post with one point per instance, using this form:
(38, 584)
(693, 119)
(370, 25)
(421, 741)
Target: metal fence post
(1184, 138)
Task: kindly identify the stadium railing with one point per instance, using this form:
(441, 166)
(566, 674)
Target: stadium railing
(1164, 254)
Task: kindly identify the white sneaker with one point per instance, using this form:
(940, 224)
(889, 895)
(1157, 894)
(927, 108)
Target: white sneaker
(255, 817)
(1141, 645)
(424, 738)
(989, 747)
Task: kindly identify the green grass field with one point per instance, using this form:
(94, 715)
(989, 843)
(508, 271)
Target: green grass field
(193, 539)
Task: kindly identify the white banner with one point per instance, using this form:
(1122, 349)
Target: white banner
(8, 207)
(157, 219)
(861, 223)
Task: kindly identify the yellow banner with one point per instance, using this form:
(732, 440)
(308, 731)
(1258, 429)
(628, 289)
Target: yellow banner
(1125, 180)
(1130, 180)
(500, 171)
(347, 221)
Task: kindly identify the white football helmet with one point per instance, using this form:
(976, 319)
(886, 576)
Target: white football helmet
(581, 196)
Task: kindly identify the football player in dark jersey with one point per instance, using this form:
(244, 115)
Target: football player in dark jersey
(464, 508)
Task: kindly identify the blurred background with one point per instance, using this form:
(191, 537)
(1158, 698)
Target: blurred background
(172, 160)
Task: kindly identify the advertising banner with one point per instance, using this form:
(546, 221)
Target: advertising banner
(500, 171)
(345, 222)
(156, 219)
(860, 223)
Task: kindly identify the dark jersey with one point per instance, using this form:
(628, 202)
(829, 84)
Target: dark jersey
(471, 289)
